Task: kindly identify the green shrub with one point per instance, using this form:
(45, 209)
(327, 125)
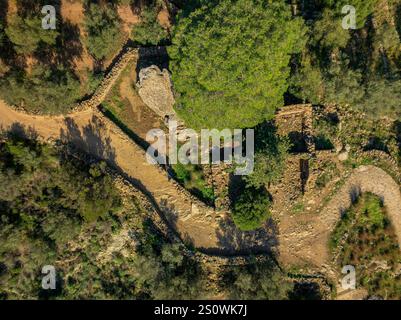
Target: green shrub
(251, 209)
(256, 281)
(103, 26)
(45, 89)
(149, 32)
(27, 34)
(364, 237)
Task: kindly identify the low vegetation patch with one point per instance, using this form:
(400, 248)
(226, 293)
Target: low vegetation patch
(365, 239)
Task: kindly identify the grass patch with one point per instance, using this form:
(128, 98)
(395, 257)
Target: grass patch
(329, 170)
(299, 207)
(193, 179)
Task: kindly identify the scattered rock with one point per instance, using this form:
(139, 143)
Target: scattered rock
(343, 156)
(339, 147)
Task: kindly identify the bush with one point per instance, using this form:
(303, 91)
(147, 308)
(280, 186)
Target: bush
(102, 24)
(27, 34)
(251, 209)
(271, 150)
(256, 281)
(44, 200)
(45, 89)
(149, 32)
(364, 236)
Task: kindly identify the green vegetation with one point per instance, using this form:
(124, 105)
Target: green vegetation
(149, 31)
(48, 201)
(102, 24)
(193, 179)
(2, 34)
(230, 62)
(37, 66)
(270, 153)
(44, 200)
(365, 239)
(44, 89)
(328, 171)
(27, 34)
(363, 8)
(260, 280)
(326, 131)
(251, 209)
(356, 68)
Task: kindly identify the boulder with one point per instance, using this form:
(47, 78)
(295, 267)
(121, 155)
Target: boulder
(155, 89)
(343, 156)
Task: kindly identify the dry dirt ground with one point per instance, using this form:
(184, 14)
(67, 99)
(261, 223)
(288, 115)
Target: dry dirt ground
(72, 11)
(137, 116)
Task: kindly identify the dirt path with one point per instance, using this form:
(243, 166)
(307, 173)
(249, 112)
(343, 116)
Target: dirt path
(303, 240)
(96, 135)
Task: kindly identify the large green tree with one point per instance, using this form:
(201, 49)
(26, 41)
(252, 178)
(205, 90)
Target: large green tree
(358, 68)
(230, 60)
(149, 31)
(363, 8)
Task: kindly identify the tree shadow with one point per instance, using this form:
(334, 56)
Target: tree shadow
(233, 241)
(397, 128)
(171, 216)
(236, 186)
(157, 56)
(31, 8)
(306, 290)
(376, 143)
(20, 131)
(298, 142)
(355, 193)
(69, 44)
(3, 10)
(398, 19)
(90, 139)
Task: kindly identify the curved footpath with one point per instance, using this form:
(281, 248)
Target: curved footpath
(308, 242)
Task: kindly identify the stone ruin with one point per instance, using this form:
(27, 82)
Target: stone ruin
(296, 122)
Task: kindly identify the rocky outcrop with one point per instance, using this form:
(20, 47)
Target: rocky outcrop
(155, 89)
